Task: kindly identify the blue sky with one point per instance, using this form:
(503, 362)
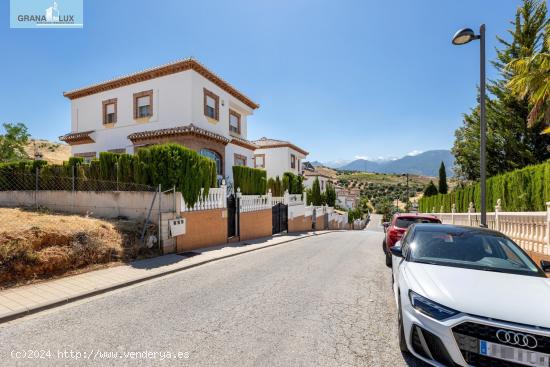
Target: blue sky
(342, 79)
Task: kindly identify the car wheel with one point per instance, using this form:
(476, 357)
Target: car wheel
(388, 259)
(384, 246)
(401, 329)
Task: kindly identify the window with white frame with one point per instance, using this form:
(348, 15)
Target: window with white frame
(292, 161)
(109, 111)
(234, 122)
(211, 104)
(143, 104)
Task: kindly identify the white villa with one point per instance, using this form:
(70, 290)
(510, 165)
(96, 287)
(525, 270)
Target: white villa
(181, 102)
(309, 178)
(278, 157)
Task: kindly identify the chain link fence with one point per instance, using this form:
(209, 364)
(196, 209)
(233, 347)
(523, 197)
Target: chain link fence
(42, 182)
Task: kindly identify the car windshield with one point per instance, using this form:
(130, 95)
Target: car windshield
(405, 222)
(471, 249)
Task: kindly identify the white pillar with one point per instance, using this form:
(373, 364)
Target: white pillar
(453, 211)
(498, 208)
(269, 198)
(471, 209)
(286, 197)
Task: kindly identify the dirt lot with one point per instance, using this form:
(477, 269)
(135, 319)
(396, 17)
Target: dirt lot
(38, 245)
(53, 153)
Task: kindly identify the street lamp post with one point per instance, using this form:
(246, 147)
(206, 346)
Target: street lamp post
(462, 37)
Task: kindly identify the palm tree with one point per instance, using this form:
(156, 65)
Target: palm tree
(532, 80)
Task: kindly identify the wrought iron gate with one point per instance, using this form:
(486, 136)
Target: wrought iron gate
(279, 218)
(232, 216)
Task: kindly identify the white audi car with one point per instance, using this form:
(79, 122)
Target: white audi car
(470, 297)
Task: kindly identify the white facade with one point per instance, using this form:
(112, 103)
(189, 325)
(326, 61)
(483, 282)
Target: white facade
(278, 157)
(178, 101)
(310, 178)
(346, 202)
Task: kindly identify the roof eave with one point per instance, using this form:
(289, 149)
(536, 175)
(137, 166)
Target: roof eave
(167, 69)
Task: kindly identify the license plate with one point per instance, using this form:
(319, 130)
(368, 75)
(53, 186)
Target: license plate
(513, 354)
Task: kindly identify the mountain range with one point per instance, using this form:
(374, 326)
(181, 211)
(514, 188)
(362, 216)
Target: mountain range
(425, 164)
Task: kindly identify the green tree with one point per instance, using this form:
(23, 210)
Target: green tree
(12, 143)
(316, 197)
(330, 194)
(531, 80)
(430, 190)
(511, 142)
(443, 188)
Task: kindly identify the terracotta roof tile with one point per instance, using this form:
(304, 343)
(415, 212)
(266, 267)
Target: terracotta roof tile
(179, 130)
(276, 143)
(158, 71)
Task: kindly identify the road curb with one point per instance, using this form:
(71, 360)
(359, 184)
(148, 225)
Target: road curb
(45, 306)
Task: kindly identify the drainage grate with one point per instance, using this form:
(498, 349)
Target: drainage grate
(189, 253)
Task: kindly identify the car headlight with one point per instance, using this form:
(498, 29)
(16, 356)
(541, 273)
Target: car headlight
(431, 308)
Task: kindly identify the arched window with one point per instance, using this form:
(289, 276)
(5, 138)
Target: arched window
(215, 157)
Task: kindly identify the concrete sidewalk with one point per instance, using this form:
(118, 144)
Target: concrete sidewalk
(22, 301)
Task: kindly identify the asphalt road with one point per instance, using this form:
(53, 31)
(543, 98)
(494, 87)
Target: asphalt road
(319, 301)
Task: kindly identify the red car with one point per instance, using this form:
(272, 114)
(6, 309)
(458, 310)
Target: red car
(398, 226)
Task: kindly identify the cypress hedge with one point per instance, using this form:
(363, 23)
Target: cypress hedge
(276, 186)
(293, 183)
(251, 181)
(168, 165)
(174, 165)
(526, 189)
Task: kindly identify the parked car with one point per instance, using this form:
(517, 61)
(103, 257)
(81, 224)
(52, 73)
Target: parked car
(396, 228)
(470, 297)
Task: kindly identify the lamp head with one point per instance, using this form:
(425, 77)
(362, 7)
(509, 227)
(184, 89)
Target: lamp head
(464, 36)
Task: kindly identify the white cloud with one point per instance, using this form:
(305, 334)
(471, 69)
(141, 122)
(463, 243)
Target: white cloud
(361, 157)
(415, 152)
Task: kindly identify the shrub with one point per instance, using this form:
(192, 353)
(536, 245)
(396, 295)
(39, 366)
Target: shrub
(293, 183)
(316, 198)
(174, 165)
(276, 186)
(526, 189)
(251, 181)
(330, 195)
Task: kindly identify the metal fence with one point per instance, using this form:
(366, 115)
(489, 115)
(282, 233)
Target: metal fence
(40, 181)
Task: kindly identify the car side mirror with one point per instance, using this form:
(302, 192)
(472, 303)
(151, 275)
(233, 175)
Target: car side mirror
(545, 265)
(396, 249)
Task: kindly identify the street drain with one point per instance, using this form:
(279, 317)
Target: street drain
(189, 253)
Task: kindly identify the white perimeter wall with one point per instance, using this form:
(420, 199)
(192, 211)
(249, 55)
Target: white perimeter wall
(131, 204)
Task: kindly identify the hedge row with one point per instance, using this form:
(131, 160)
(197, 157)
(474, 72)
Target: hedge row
(526, 189)
(251, 181)
(293, 183)
(168, 165)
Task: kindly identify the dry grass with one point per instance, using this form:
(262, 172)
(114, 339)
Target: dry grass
(53, 153)
(37, 245)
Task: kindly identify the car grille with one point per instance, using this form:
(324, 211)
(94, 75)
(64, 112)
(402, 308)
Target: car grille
(433, 343)
(468, 334)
